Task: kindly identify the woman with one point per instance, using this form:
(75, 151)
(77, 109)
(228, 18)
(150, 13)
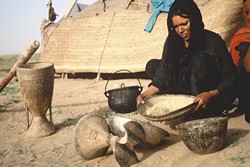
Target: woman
(240, 51)
(195, 61)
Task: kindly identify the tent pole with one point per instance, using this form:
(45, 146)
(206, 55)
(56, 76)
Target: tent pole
(70, 9)
(49, 5)
(98, 76)
(99, 66)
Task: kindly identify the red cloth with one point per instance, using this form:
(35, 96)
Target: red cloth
(242, 35)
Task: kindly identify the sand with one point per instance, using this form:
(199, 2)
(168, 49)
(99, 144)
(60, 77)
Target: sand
(76, 96)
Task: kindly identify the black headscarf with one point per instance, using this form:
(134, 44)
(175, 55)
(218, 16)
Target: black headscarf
(175, 44)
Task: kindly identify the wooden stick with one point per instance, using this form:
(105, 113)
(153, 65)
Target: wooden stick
(71, 7)
(27, 118)
(99, 66)
(23, 58)
(49, 4)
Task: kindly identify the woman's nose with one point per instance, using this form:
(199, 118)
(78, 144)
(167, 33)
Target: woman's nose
(180, 29)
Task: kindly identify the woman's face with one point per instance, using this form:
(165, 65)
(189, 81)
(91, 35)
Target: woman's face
(182, 27)
(247, 10)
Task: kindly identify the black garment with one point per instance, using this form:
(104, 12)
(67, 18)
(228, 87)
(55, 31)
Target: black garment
(243, 82)
(205, 65)
(200, 75)
(207, 70)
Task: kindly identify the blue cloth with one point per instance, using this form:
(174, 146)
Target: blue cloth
(158, 6)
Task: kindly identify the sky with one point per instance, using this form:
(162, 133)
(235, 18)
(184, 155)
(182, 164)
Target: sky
(20, 22)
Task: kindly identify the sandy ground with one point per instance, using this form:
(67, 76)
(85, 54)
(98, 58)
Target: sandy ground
(76, 96)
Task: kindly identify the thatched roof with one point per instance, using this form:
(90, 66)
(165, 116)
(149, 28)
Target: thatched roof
(98, 41)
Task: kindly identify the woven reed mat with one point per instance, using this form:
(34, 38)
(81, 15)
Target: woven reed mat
(116, 40)
(106, 42)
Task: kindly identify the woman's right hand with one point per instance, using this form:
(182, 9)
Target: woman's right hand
(139, 100)
(152, 90)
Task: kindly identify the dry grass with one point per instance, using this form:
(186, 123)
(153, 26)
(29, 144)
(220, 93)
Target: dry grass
(7, 61)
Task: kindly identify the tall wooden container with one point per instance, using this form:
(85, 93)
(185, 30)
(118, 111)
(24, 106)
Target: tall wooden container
(36, 82)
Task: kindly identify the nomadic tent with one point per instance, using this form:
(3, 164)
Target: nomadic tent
(78, 7)
(109, 35)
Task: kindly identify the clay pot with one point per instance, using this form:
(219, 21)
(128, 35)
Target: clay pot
(204, 136)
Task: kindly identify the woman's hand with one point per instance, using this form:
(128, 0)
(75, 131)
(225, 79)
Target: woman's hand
(204, 98)
(152, 90)
(139, 100)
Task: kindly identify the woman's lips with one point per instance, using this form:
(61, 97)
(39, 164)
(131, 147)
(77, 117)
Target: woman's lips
(184, 36)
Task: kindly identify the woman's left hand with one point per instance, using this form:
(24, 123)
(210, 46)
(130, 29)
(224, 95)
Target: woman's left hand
(204, 98)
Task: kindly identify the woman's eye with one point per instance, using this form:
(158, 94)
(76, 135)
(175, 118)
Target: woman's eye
(186, 23)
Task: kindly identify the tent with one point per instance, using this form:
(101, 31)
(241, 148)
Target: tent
(103, 38)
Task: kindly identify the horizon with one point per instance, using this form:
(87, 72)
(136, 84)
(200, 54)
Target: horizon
(21, 20)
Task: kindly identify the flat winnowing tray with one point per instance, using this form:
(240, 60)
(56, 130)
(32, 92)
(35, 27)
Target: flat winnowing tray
(167, 107)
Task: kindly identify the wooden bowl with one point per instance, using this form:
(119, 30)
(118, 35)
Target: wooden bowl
(154, 135)
(204, 136)
(169, 107)
(91, 136)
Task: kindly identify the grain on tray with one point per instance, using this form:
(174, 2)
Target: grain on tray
(163, 105)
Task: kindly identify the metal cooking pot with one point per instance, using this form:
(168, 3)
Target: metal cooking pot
(123, 99)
